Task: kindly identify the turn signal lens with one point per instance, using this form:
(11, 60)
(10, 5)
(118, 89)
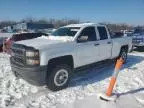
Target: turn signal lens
(32, 62)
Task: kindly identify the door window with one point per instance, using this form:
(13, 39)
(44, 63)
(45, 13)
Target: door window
(90, 33)
(102, 33)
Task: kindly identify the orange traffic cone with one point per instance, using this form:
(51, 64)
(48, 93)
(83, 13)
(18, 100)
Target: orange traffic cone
(114, 77)
(118, 66)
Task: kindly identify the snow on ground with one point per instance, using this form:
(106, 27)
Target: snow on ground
(82, 91)
(11, 88)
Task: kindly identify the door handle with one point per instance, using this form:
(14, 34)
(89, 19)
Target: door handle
(97, 44)
(109, 42)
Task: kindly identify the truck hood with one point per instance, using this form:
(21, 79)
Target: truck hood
(45, 42)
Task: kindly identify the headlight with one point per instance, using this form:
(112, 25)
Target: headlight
(32, 53)
(32, 57)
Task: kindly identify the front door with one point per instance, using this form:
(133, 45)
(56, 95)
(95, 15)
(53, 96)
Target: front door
(87, 49)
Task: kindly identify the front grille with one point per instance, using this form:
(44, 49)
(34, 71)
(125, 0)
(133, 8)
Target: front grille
(18, 54)
(138, 39)
(18, 60)
(17, 51)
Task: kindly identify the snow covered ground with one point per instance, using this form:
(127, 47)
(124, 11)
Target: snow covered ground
(82, 91)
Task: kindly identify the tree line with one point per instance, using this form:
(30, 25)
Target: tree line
(65, 21)
(56, 22)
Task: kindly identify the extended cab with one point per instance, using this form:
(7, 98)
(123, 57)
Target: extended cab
(52, 60)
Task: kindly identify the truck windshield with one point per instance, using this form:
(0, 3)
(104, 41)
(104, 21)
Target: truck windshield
(66, 31)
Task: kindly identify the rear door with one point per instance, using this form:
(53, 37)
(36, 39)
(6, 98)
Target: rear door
(87, 51)
(105, 43)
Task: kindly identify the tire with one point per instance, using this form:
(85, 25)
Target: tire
(140, 48)
(123, 54)
(132, 49)
(59, 77)
(1, 48)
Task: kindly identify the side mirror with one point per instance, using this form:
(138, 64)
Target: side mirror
(82, 38)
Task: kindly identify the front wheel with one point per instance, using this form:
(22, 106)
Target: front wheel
(59, 77)
(123, 55)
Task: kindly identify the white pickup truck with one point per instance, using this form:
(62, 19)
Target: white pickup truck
(52, 60)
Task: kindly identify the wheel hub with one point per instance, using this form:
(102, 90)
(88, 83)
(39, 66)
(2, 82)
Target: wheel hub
(124, 55)
(61, 77)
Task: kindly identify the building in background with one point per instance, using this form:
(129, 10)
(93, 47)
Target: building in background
(28, 27)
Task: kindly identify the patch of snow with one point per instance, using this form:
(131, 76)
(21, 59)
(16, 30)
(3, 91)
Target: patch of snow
(44, 37)
(62, 38)
(82, 91)
(11, 88)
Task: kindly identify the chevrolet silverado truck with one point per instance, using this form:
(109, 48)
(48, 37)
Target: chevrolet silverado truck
(52, 60)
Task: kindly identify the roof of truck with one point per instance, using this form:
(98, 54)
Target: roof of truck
(82, 25)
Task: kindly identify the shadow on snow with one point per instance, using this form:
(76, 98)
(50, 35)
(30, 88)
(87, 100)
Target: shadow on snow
(98, 73)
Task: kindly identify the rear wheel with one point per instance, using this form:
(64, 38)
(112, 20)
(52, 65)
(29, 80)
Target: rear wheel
(59, 77)
(1, 48)
(123, 54)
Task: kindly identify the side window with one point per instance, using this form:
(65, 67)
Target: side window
(103, 33)
(90, 32)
